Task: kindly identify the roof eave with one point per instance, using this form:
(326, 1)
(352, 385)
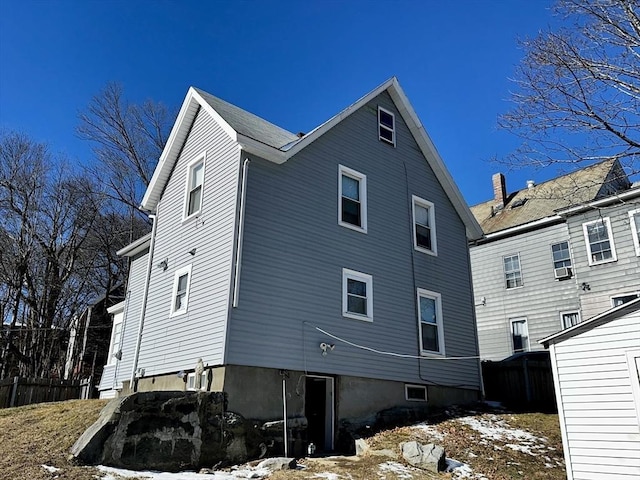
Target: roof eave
(600, 319)
(193, 101)
(135, 247)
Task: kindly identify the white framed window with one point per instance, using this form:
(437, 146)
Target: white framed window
(116, 332)
(597, 236)
(386, 126)
(561, 255)
(569, 319)
(520, 335)
(180, 295)
(424, 226)
(357, 295)
(415, 393)
(195, 186)
(512, 271)
(622, 299)
(191, 381)
(352, 199)
(430, 322)
(634, 221)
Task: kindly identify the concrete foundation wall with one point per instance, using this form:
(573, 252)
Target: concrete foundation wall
(256, 393)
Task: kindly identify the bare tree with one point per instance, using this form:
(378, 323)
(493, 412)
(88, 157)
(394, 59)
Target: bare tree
(47, 212)
(578, 95)
(127, 140)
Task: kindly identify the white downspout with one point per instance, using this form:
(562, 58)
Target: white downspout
(145, 295)
(238, 266)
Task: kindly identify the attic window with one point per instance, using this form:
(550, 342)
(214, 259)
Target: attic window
(386, 126)
(518, 203)
(195, 184)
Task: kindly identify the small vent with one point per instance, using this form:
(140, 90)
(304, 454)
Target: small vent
(562, 272)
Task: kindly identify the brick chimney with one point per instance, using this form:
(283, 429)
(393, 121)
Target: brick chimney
(499, 190)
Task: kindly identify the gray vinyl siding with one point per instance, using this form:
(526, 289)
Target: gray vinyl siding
(294, 253)
(132, 310)
(605, 280)
(176, 343)
(540, 300)
(597, 405)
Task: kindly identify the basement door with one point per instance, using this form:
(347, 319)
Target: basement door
(319, 410)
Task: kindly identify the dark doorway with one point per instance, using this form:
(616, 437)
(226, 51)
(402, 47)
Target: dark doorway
(319, 412)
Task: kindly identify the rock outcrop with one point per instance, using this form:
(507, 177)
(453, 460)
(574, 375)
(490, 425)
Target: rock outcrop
(169, 431)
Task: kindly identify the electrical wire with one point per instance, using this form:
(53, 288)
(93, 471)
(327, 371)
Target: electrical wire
(391, 354)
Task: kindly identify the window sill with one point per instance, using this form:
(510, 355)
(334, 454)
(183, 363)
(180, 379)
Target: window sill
(177, 313)
(429, 354)
(193, 217)
(355, 316)
(353, 227)
(602, 262)
(433, 253)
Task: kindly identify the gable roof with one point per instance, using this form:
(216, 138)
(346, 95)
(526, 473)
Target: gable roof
(266, 140)
(538, 204)
(601, 319)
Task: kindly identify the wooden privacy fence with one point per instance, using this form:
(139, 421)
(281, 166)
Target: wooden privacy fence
(522, 384)
(18, 391)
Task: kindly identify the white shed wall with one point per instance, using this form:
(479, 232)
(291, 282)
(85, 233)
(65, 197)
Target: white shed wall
(597, 403)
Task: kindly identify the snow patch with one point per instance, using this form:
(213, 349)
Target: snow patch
(402, 472)
(493, 428)
(430, 430)
(50, 469)
(111, 473)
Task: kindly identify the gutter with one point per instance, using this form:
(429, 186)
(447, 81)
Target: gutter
(145, 296)
(238, 265)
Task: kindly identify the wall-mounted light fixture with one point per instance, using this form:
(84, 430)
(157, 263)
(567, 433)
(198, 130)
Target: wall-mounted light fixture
(325, 347)
(118, 355)
(164, 264)
(192, 251)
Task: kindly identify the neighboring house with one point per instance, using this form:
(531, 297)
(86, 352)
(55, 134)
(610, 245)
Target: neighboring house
(88, 340)
(334, 264)
(532, 272)
(596, 370)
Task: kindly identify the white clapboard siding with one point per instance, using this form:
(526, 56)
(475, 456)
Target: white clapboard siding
(596, 398)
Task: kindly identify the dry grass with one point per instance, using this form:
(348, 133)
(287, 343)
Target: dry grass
(43, 434)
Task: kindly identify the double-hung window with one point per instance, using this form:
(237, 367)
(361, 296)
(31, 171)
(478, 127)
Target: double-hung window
(634, 221)
(597, 236)
(430, 322)
(512, 272)
(357, 295)
(520, 335)
(424, 226)
(386, 126)
(569, 319)
(561, 256)
(622, 299)
(352, 199)
(195, 186)
(180, 295)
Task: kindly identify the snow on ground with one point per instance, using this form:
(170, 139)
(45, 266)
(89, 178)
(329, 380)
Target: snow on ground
(327, 476)
(430, 430)
(402, 472)
(240, 474)
(50, 469)
(493, 428)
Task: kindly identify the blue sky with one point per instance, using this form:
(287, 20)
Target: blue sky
(294, 63)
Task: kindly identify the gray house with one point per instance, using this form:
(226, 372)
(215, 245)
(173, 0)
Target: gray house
(553, 254)
(330, 270)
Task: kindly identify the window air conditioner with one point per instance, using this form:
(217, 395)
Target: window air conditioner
(562, 272)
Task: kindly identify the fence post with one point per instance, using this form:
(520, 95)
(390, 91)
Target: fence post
(14, 392)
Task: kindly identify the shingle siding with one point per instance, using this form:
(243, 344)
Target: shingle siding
(175, 343)
(540, 299)
(294, 252)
